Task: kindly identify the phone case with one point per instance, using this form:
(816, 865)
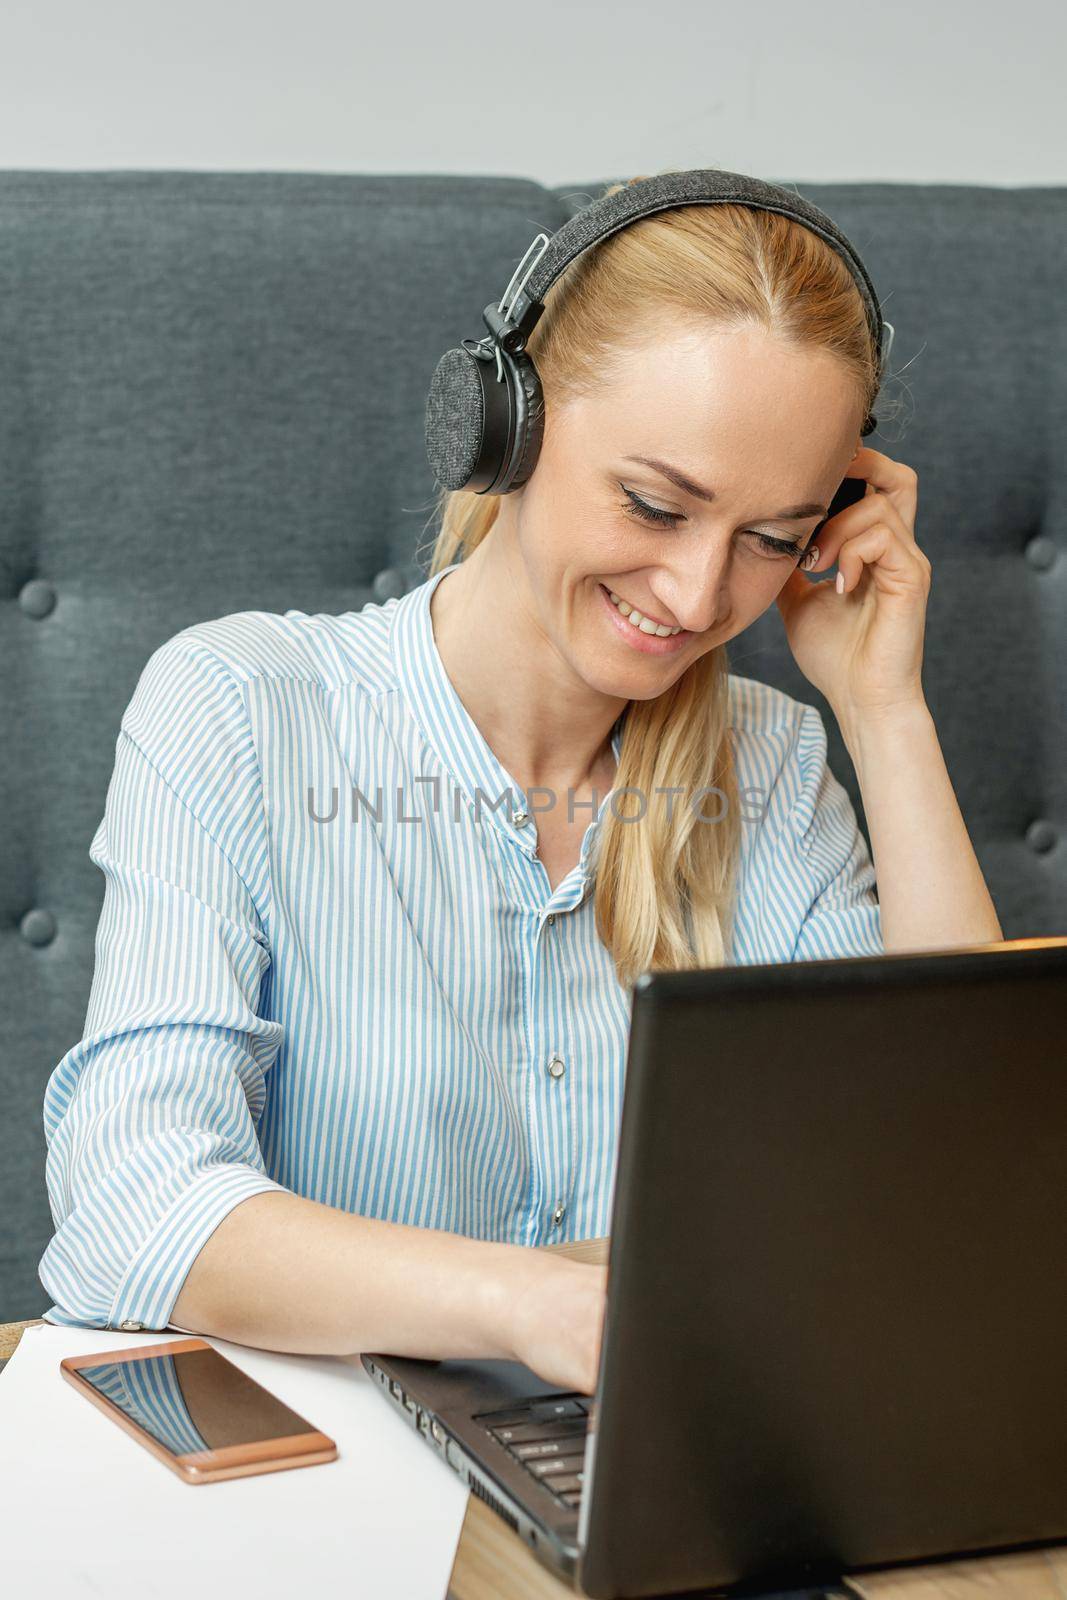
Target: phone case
(849, 491)
(202, 1466)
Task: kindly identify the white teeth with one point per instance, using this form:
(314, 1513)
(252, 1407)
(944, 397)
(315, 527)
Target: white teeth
(645, 624)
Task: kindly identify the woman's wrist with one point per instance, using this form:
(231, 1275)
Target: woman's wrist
(517, 1295)
(871, 730)
(498, 1291)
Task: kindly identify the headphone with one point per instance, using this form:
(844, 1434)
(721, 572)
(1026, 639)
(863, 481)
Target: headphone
(485, 412)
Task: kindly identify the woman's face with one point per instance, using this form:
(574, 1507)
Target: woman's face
(764, 428)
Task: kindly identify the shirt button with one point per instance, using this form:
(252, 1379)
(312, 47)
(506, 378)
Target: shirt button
(131, 1327)
(550, 919)
(519, 819)
(556, 1069)
(557, 1215)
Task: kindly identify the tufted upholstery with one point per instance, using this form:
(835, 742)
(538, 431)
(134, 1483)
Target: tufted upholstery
(211, 400)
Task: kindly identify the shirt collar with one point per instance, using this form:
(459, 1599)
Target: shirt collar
(453, 734)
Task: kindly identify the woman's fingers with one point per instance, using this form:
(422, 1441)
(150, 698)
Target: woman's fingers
(869, 512)
(893, 478)
(896, 564)
(866, 651)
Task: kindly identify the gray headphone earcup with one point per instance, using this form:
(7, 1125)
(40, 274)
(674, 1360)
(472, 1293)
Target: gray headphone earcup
(481, 434)
(455, 419)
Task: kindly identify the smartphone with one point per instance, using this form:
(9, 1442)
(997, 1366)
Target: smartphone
(196, 1412)
(849, 491)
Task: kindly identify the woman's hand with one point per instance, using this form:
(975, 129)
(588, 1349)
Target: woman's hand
(860, 641)
(557, 1319)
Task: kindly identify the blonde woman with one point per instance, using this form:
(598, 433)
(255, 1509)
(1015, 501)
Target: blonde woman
(377, 883)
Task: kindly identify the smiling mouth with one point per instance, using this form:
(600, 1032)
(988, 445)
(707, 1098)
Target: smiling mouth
(638, 620)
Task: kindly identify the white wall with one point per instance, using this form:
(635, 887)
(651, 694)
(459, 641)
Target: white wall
(965, 91)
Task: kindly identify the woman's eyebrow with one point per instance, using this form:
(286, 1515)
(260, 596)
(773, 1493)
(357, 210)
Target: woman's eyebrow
(810, 508)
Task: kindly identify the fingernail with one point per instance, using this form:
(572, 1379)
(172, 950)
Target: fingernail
(810, 558)
(840, 583)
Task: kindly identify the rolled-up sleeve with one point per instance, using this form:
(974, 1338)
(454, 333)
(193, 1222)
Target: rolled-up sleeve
(833, 868)
(151, 1118)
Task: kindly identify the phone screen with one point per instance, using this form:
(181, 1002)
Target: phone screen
(194, 1400)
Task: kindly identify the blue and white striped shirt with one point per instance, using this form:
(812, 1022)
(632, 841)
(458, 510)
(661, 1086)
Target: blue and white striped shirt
(363, 1010)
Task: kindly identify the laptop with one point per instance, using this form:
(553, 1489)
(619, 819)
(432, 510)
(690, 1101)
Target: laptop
(836, 1331)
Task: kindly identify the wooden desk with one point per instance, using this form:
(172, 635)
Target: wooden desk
(492, 1563)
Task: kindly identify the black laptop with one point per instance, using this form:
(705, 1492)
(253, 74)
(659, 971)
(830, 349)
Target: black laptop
(836, 1335)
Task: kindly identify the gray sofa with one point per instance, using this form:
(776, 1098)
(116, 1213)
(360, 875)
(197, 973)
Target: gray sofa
(211, 400)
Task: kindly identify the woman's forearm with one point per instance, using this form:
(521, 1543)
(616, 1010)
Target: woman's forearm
(284, 1273)
(930, 887)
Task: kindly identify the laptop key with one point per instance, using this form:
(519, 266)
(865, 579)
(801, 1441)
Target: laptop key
(502, 1419)
(549, 1410)
(570, 1497)
(525, 1432)
(552, 1466)
(564, 1485)
(548, 1447)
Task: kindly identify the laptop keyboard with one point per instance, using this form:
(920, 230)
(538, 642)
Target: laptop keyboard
(548, 1437)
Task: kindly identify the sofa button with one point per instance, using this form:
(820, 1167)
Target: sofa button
(1041, 836)
(38, 927)
(37, 598)
(388, 585)
(1040, 553)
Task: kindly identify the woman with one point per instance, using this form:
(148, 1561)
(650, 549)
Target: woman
(345, 1062)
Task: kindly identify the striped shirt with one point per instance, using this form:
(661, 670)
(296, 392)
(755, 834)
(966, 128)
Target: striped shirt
(327, 964)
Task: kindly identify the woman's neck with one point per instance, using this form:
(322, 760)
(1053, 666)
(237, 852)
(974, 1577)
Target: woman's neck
(544, 725)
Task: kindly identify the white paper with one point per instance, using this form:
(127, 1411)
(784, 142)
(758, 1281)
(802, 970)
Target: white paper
(87, 1511)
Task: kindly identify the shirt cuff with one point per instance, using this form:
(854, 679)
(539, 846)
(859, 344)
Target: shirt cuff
(152, 1279)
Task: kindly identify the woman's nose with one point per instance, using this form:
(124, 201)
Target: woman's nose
(693, 593)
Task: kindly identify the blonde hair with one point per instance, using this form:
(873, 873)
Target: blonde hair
(665, 884)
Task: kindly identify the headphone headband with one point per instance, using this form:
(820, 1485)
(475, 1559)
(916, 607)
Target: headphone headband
(700, 186)
(485, 408)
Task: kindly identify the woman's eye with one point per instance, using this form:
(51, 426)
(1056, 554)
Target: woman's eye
(775, 547)
(636, 507)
